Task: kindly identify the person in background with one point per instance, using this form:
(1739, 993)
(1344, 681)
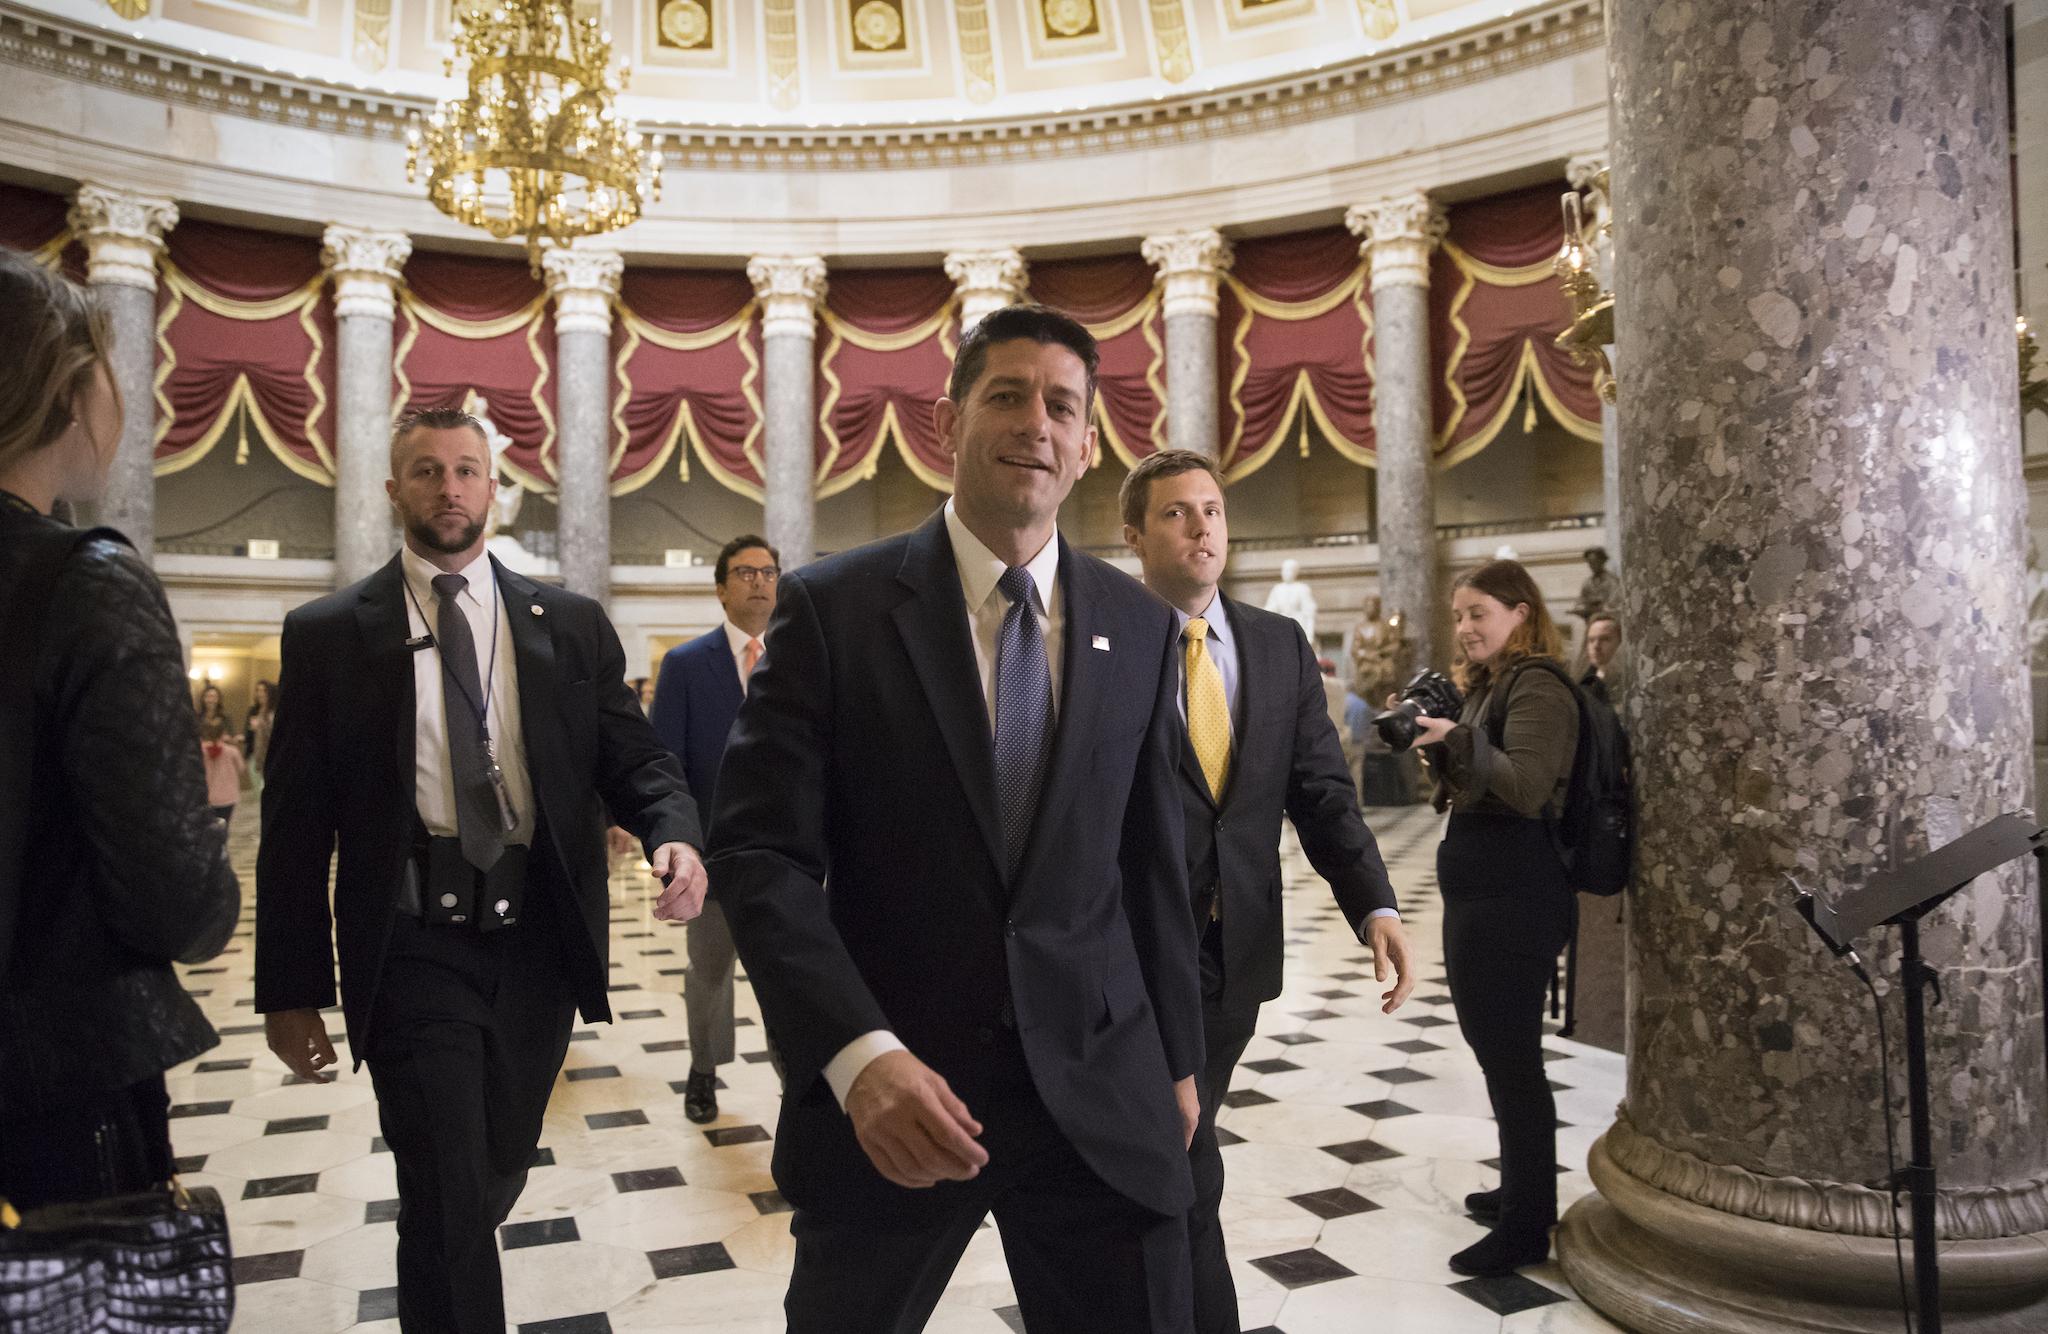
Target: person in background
(209, 706)
(643, 690)
(111, 867)
(256, 732)
(701, 686)
(1502, 767)
(1603, 676)
(225, 769)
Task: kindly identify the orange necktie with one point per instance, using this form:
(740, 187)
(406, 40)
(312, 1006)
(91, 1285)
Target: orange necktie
(750, 658)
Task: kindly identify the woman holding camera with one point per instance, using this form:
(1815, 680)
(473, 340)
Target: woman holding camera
(1502, 767)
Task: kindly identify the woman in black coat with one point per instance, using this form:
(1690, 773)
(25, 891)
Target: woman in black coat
(111, 865)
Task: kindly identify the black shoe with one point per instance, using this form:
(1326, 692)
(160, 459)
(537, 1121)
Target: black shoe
(700, 1097)
(1484, 1205)
(1501, 1252)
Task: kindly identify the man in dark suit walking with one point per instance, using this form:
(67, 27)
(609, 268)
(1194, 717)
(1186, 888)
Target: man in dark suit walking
(1257, 742)
(459, 734)
(948, 842)
(699, 693)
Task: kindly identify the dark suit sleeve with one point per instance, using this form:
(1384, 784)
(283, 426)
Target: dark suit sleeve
(768, 851)
(1153, 862)
(671, 713)
(294, 927)
(642, 785)
(1322, 801)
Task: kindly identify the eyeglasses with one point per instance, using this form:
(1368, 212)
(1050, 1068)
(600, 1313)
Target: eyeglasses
(754, 574)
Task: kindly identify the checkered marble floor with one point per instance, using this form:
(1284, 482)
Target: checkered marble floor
(1351, 1140)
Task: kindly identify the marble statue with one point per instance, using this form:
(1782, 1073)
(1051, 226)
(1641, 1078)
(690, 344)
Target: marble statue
(1293, 599)
(1602, 589)
(510, 496)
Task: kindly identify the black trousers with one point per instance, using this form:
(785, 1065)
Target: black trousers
(465, 1040)
(1507, 915)
(1083, 1258)
(1227, 1031)
(93, 1146)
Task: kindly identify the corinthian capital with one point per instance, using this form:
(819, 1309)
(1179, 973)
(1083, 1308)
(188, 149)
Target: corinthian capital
(365, 266)
(987, 280)
(123, 234)
(583, 281)
(1396, 235)
(790, 289)
(1190, 263)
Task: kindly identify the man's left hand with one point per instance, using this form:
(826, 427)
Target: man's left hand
(681, 871)
(1390, 954)
(1190, 1109)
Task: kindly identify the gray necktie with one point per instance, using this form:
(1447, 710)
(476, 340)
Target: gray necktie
(478, 817)
(1023, 713)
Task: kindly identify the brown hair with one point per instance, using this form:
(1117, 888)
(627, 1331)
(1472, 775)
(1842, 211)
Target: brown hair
(1136, 493)
(1508, 583)
(433, 419)
(1040, 324)
(1600, 616)
(53, 336)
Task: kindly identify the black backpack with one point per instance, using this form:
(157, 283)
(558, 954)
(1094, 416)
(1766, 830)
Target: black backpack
(1595, 835)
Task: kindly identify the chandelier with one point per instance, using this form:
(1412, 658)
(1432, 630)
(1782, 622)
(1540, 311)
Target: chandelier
(536, 148)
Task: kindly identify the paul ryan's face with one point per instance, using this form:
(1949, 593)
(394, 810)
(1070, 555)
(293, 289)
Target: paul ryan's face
(444, 488)
(1186, 537)
(1022, 438)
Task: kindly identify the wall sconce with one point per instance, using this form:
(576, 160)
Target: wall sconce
(2033, 388)
(1592, 308)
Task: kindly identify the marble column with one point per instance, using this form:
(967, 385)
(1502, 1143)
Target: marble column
(1190, 264)
(365, 266)
(790, 289)
(1825, 598)
(584, 283)
(2030, 179)
(987, 280)
(1397, 235)
(1583, 172)
(123, 233)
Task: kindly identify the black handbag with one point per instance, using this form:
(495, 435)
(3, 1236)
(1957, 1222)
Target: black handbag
(156, 1262)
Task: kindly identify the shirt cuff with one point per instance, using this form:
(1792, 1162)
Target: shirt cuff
(856, 1056)
(1376, 912)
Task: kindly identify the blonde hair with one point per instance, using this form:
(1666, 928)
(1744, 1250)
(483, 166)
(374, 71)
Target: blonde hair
(54, 335)
(1508, 583)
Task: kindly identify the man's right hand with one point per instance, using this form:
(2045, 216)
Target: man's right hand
(299, 1037)
(912, 1128)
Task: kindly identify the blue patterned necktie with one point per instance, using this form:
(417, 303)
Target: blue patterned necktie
(1023, 713)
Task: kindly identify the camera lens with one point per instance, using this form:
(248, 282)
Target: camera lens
(1397, 725)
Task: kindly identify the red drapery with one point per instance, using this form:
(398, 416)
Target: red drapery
(1115, 298)
(687, 378)
(1495, 307)
(888, 347)
(242, 322)
(473, 326)
(1293, 325)
(35, 221)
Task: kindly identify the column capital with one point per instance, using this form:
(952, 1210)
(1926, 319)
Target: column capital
(123, 233)
(1191, 263)
(987, 280)
(365, 266)
(790, 289)
(1396, 235)
(584, 282)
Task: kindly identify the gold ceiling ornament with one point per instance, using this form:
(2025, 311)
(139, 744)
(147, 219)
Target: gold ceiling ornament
(685, 22)
(1592, 327)
(1069, 18)
(129, 9)
(536, 147)
(2033, 388)
(877, 25)
(1170, 37)
(1379, 17)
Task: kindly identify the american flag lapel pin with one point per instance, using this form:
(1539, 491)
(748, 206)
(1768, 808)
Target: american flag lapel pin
(1100, 642)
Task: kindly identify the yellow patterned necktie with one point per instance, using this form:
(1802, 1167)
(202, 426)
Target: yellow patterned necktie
(1208, 710)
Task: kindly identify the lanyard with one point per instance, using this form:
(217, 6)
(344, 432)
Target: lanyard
(483, 711)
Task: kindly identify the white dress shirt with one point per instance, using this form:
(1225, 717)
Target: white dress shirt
(737, 640)
(434, 784)
(986, 606)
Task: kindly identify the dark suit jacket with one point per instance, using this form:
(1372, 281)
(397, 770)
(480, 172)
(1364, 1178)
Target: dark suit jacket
(857, 851)
(341, 773)
(1285, 758)
(695, 700)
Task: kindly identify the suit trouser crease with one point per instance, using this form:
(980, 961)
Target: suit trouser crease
(708, 988)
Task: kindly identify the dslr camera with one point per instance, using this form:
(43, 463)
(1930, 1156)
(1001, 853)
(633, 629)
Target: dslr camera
(1430, 692)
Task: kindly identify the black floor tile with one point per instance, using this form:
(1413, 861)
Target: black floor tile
(1507, 1293)
(195, 1162)
(1400, 1074)
(1337, 1203)
(1224, 1138)
(1012, 1317)
(613, 1120)
(726, 1136)
(543, 1157)
(1360, 1151)
(1247, 1098)
(1272, 1065)
(380, 1211)
(292, 1125)
(673, 1044)
(770, 1202)
(647, 1178)
(214, 1067)
(1299, 1269)
(376, 1304)
(1383, 1109)
(544, 1232)
(1413, 1046)
(1295, 1039)
(184, 1109)
(682, 1261)
(263, 1268)
(577, 1076)
(263, 1188)
(596, 1323)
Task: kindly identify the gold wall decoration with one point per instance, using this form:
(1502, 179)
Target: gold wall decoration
(1592, 308)
(129, 9)
(977, 54)
(1170, 38)
(877, 25)
(685, 25)
(1379, 17)
(1068, 19)
(372, 46)
(784, 89)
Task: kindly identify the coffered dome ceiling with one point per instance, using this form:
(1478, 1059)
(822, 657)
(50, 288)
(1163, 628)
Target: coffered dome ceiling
(830, 63)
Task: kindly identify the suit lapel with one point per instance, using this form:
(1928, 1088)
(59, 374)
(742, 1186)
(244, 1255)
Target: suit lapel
(388, 666)
(1253, 667)
(1084, 684)
(533, 654)
(933, 623)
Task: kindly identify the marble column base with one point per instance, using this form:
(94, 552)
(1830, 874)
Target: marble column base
(1657, 1264)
